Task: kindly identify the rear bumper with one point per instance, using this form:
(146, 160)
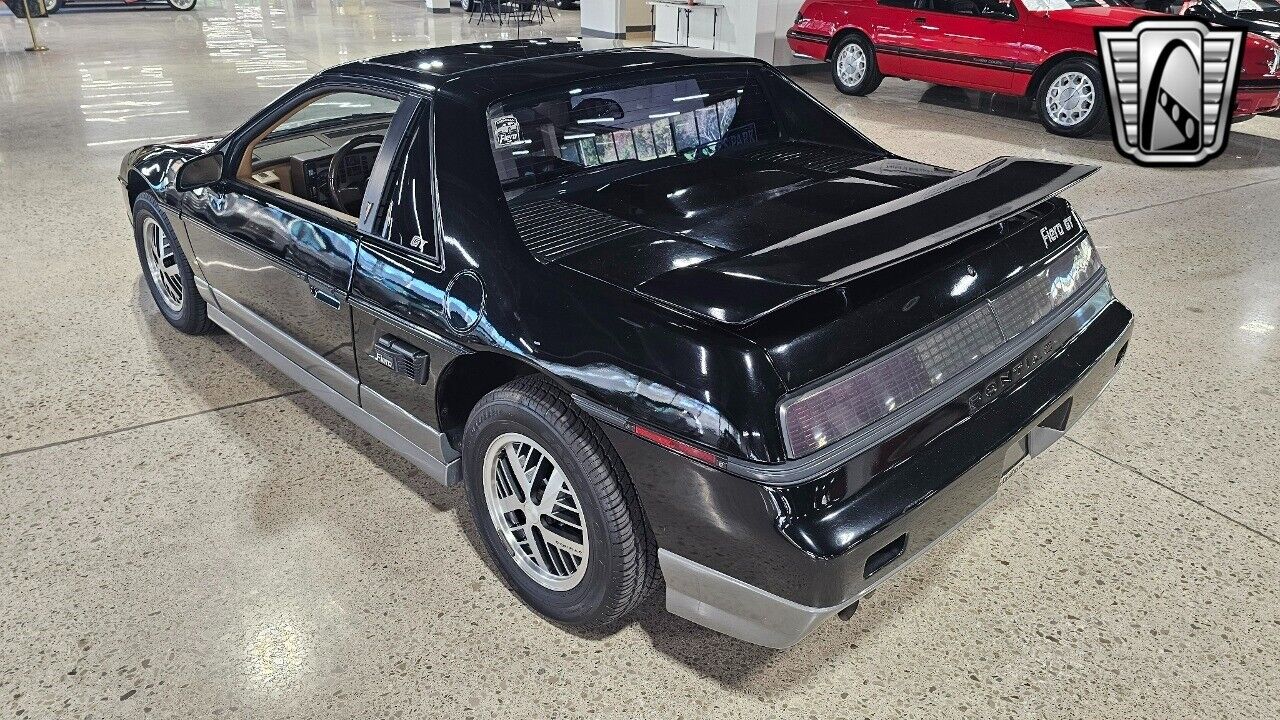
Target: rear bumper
(808, 44)
(768, 564)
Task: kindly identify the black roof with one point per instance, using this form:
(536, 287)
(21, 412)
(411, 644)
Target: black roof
(493, 69)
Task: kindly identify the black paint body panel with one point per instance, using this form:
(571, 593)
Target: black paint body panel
(441, 265)
(809, 543)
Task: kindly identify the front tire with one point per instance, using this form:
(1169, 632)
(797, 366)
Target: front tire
(853, 66)
(166, 270)
(182, 4)
(1071, 99)
(555, 507)
(53, 6)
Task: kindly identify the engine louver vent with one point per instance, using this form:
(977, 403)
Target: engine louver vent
(553, 229)
(827, 160)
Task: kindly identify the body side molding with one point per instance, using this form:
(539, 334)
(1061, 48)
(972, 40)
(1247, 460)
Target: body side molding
(421, 457)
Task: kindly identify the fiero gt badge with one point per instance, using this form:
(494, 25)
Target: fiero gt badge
(1050, 234)
(1171, 84)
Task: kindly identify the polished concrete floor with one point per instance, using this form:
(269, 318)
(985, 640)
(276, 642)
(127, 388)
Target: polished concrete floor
(184, 534)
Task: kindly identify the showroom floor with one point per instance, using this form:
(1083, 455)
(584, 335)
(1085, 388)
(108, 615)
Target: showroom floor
(184, 533)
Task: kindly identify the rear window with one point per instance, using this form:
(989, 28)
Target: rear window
(661, 119)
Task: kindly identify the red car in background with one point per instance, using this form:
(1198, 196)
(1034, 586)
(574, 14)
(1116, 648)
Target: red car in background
(1043, 49)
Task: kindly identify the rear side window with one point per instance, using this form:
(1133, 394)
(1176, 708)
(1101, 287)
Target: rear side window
(660, 119)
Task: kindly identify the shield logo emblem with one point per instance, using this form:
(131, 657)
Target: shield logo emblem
(1171, 84)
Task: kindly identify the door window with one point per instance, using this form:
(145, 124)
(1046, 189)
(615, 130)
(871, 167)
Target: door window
(994, 9)
(321, 151)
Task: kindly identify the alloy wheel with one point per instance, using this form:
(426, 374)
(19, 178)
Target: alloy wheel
(535, 510)
(851, 65)
(1070, 98)
(162, 263)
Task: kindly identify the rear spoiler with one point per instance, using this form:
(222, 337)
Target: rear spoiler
(756, 282)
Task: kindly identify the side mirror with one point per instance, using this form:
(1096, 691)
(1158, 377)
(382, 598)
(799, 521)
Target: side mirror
(199, 172)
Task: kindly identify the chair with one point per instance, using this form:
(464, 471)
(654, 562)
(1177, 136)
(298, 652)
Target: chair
(488, 8)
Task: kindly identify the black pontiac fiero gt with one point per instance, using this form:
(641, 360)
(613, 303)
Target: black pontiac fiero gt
(668, 319)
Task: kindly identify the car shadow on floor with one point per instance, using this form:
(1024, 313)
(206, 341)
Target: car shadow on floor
(730, 662)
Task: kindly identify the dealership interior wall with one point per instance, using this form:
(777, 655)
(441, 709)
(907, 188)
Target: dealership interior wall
(185, 533)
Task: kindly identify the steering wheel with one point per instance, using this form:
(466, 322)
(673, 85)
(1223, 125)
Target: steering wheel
(348, 192)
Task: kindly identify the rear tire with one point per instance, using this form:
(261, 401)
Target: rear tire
(182, 4)
(53, 6)
(1071, 99)
(165, 269)
(613, 567)
(853, 66)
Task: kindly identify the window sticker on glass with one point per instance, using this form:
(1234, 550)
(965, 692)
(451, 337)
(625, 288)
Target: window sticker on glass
(686, 131)
(605, 149)
(590, 158)
(708, 125)
(1046, 5)
(625, 145)
(644, 142)
(506, 131)
(727, 110)
(662, 140)
(569, 152)
(745, 135)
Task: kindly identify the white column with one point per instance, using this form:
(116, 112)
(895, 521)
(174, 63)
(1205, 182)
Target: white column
(603, 19)
(438, 6)
(613, 19)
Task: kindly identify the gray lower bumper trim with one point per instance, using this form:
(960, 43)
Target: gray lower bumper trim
(727, 605)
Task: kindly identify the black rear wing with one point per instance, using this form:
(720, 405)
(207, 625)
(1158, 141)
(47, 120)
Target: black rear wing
(757, 282)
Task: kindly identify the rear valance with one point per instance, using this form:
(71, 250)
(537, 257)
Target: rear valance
(742, 287)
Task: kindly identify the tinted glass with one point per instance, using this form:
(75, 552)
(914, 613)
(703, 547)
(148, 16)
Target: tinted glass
(1245, 6)
(979, 8)
(668, 119)
(410, 216)
(336, 108)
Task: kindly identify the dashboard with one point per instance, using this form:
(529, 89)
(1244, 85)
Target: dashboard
(298, 164)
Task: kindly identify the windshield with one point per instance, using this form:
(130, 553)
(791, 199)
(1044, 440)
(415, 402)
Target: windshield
(1244, 6)
(340, 107)
(661, 119)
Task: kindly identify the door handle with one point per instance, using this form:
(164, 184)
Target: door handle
(919, 21)
(327, 298)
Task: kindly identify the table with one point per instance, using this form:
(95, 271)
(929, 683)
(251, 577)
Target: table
(687, 9)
